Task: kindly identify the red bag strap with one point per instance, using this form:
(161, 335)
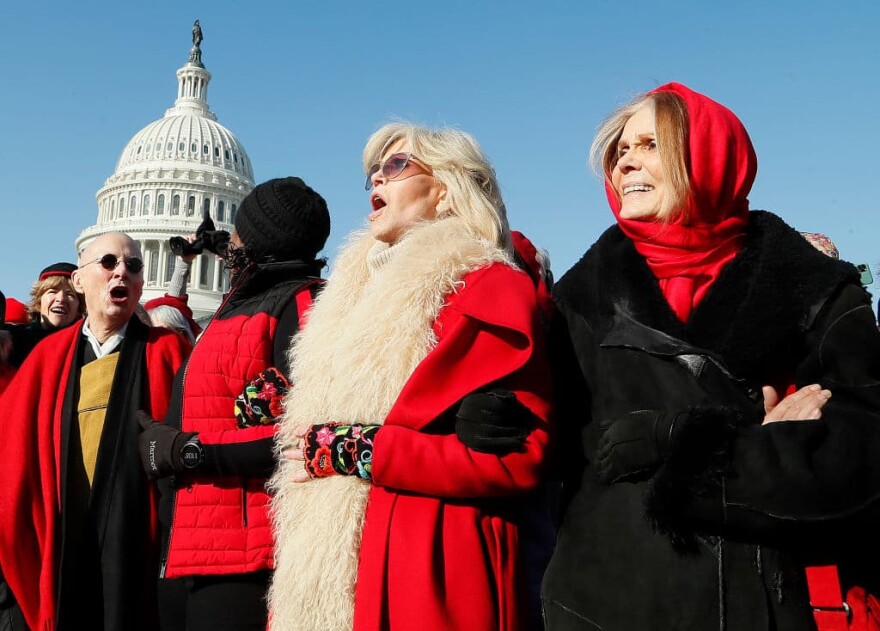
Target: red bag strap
(829, 608)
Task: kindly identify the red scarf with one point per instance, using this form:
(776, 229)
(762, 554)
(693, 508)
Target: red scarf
(686, 256)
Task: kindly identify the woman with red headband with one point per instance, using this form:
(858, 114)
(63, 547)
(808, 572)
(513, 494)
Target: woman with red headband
(720, 394)
(54, 305)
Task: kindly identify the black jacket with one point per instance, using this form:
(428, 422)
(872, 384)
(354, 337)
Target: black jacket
(717, 533)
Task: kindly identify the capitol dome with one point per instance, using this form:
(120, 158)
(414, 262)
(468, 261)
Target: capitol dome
(169, 174)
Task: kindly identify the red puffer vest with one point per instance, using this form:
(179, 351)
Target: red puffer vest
(220, 525)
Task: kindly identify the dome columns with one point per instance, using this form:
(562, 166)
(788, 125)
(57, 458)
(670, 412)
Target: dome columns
(192, 92)
(193, 84)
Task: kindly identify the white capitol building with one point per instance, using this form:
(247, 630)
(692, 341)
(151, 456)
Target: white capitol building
(167, 175)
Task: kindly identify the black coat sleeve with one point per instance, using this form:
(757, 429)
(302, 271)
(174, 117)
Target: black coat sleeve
(571, 404)
(776, 477)
(252, 459)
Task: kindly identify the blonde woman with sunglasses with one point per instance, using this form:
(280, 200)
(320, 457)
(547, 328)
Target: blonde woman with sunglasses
(418, 418)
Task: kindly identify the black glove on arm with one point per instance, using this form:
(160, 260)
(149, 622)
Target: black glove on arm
(160, 446)
(493, 422)
(634, 445)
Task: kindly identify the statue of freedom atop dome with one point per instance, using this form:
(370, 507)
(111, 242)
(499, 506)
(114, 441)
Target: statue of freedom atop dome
(195, 53)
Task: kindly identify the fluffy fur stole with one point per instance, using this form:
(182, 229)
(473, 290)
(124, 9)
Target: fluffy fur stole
(366, 333)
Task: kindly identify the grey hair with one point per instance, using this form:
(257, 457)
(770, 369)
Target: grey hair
(168, 317)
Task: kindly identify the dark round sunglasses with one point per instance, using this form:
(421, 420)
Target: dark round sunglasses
(109, 262)
(391, 168)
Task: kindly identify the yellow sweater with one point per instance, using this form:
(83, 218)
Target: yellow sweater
(95, 383)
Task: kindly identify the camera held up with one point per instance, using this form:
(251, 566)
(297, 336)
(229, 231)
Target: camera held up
(207, 238)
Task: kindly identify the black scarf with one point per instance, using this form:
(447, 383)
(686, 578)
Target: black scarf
(107, 566)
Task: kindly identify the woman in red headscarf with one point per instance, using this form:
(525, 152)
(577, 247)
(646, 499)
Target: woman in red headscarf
(708, 464)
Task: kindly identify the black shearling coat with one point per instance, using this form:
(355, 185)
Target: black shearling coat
(717, 535)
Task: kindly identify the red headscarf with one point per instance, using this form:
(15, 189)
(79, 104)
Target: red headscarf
(686, 255)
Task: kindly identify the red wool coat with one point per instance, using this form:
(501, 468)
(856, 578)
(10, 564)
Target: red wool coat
(30, 468)
(439, 548)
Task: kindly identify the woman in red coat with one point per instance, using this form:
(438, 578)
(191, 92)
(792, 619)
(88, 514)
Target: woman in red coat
(422, 365)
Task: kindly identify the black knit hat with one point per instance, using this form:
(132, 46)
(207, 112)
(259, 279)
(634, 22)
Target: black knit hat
(285, 219)
(58, 269)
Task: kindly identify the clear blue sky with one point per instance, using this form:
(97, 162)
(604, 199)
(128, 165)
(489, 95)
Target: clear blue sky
(304, 84)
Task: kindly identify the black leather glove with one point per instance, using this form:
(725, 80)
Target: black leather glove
(160, 446)
(634, 445)
(493, 422)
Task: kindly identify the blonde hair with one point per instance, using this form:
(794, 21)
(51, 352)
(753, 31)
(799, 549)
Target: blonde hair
(671, 125)
(458, 163)
(53, 282)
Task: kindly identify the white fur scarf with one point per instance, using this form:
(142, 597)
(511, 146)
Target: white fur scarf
(366, 334)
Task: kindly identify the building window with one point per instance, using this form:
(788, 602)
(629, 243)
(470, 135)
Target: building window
(153, 272)
(175, 205)
(232, 214)
(205, 149)
(139, 149)
(122, 207)
(160, 205)
(206, 206)
(194, 147)
(145, 210)
(181, 146)
(169, 266)
(169, 146)
(133, 206)
(216, 152)
(221, 211)
(112, 209)
(191, 206)
(226, 153)
(235, 158)
(205, 268)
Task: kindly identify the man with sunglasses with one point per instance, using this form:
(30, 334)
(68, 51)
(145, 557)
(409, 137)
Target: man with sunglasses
(78, 525)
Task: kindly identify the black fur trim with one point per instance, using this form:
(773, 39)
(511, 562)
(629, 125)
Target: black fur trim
(700, 450)
(756, 311)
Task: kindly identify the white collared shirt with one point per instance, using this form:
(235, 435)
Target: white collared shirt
(109, 345)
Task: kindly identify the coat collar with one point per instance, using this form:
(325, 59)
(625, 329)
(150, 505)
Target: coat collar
(760, 305)
(260, 278)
